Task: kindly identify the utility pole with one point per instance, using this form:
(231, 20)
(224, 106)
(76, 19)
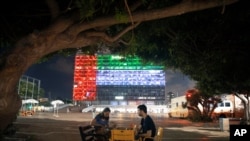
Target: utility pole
(38, 90)
(26, 87)
(49, 96)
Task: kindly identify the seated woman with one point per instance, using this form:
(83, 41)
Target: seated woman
(101, 121)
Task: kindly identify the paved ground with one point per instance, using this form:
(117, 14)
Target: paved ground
(64, 127)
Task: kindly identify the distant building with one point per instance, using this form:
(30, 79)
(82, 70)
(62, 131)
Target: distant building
(117, 80)
(29, 87)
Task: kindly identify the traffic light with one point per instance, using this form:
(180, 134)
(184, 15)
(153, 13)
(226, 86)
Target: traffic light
(188, 96)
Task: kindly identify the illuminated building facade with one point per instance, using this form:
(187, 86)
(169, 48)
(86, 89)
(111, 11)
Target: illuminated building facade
(117, 80)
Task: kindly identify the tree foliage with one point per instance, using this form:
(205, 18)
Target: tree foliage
(201, 105)
(211, 47)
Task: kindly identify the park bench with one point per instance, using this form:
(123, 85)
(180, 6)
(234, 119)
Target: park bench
(88, 133)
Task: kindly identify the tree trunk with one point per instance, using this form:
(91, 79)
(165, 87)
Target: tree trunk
(246, 103)
(16, 64)
(27, 52)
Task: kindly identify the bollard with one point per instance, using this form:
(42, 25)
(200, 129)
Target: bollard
(224, 124)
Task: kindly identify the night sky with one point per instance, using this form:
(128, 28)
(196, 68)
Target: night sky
(56, 77)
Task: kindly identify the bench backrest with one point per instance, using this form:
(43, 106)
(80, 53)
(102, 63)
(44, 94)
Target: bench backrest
(87, 133)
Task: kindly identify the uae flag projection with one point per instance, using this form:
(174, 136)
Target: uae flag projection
(95, 75)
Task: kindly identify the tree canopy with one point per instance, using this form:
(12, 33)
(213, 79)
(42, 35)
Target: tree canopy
(32, 30)
(210, 46)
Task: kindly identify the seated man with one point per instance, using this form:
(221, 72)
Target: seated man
(147, 124)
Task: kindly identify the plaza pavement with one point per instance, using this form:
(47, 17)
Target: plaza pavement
(45, 126)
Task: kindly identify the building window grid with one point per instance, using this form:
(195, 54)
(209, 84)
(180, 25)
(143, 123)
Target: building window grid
(135, 92)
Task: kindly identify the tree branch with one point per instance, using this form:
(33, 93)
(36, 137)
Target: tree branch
(54, 8)
(109, 39)
(178, 9)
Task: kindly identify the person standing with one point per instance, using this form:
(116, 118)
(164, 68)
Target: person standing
(147, 124)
